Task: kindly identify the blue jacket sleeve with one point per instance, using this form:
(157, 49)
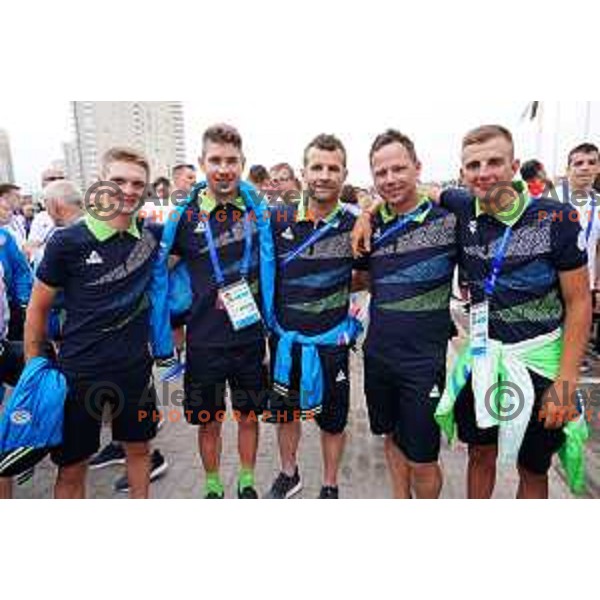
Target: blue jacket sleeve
(21, 283)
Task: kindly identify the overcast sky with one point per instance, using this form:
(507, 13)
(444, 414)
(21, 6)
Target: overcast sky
(276, 129)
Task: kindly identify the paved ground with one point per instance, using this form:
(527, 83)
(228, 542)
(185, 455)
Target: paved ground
(363, 474)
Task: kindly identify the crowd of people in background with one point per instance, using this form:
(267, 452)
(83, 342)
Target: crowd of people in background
(410, 245)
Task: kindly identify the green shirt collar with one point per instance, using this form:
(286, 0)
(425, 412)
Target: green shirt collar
(304, 214)
(208, 204)
(102, 231)
(511, 216)
(387, 215)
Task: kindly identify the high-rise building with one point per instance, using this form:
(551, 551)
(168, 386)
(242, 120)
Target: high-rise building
(7, 174)
(72, 164)
(154, 128)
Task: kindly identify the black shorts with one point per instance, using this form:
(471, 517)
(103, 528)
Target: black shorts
(540, 444)
(178, 321)
(208, 372)
(333, 418)
(12, 363)
(133, 402)
(403, 404)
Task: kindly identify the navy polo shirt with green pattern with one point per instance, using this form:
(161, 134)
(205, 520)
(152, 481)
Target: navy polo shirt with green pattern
(313, 291)
(547, 239)
(208, 325)
(411, 283)
(104, 276)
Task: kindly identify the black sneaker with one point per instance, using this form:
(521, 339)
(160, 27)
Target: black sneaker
(113, 454)
(248, 493)
(286, 487)
(329, 493)
(158, 468)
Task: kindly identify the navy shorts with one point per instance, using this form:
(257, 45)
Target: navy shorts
(12, 363)
(540, 444)
(133, 403)
(333, 418)
(210, 370)
(402, 405)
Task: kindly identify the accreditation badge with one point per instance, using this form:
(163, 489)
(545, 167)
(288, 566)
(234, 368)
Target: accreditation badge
(480, 329)
(238, 301)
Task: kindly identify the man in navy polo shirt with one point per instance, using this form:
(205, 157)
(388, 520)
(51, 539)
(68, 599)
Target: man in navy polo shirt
(218, 239)
(313, 284)
(411, 270)
(104, 269)
(538, 295)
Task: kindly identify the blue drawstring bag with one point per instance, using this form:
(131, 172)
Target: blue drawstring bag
(180, 291)
(32, 423)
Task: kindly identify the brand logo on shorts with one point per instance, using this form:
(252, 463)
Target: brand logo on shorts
(473, 227)
(94, 259)
(341, 377)
(435, 392)
(288, 234)
(21, 418)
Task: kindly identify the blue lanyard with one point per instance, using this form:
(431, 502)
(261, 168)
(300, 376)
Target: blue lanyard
(497, 264)
(590, 226)
(401, 225)
(317, 235)
(214, 255)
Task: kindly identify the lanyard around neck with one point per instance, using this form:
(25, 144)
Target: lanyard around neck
(214, 255)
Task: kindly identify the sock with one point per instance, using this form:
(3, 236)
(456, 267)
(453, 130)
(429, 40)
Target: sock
(246, 479)
(214, 484)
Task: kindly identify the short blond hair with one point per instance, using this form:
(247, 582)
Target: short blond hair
(485, 133)
(127, 155)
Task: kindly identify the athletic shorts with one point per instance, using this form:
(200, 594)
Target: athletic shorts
(333, 418)
(132, 399)
(208, 373)
(12, 363)
(402, 405)
(540, 444)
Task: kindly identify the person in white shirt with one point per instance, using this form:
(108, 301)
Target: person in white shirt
(43, 226)
(578, 189)
(64, 205)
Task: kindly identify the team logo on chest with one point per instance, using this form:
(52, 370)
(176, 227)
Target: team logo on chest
(94, 259)
(201, 228)
(288, 234)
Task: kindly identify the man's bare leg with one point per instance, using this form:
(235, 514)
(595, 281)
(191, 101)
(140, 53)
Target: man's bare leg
(482, 472)
(532, 486)
(333, 450)
(138, 470)
(70, 483)
(427, 480)
(289, 435)
(399, 468)
(6, 489)
(248, 438)
(210, 444)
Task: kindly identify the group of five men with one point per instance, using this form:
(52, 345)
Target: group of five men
(292, 271)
